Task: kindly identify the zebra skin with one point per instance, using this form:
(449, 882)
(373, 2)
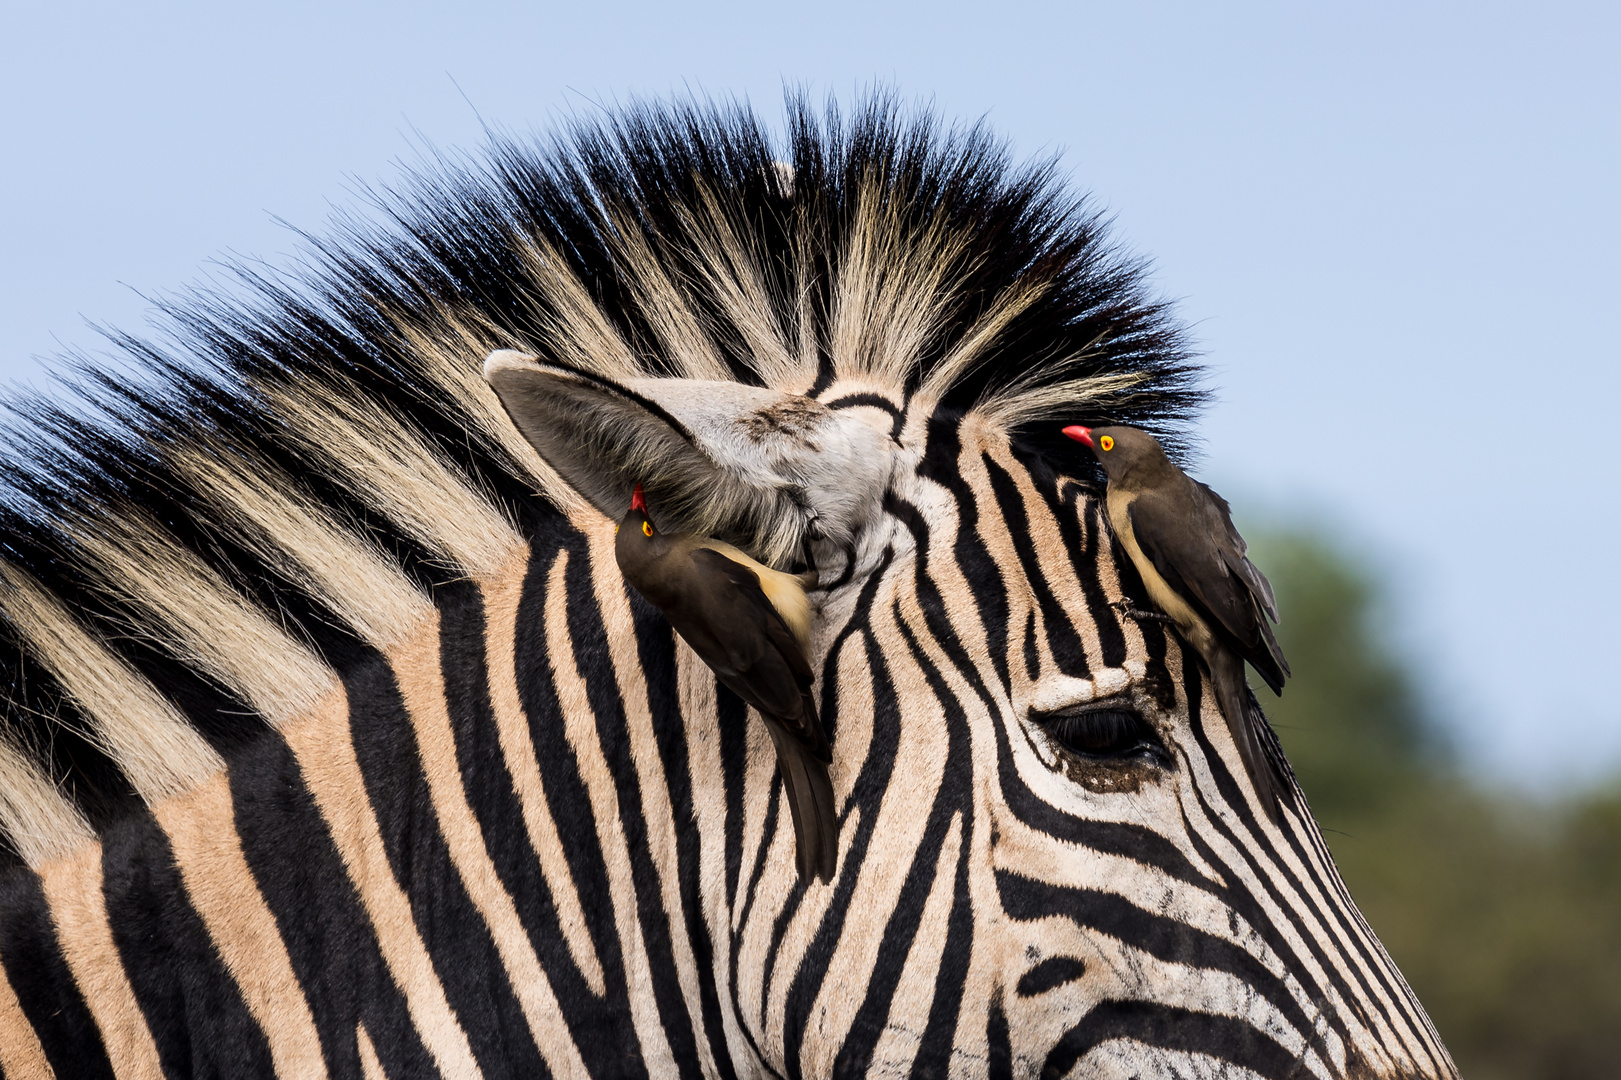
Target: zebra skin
(336, 745)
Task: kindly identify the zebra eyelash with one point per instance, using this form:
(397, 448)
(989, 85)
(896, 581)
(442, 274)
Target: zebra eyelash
(1104, 731)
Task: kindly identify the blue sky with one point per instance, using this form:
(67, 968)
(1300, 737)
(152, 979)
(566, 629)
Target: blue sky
(1396, 228)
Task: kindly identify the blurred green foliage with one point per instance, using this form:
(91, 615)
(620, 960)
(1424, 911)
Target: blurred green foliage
(1504, 913)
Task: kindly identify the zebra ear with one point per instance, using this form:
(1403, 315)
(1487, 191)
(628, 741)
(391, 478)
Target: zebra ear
(756, 467)
(602, 437)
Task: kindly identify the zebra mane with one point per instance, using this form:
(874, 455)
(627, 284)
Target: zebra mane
(303, 468)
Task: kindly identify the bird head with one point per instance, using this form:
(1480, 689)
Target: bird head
(635, 529)
(1119, 449)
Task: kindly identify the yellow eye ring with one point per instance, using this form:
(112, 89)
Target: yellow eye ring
(1107, 442)
(647, 528)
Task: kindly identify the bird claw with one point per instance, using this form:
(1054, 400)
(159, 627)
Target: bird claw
(1125, 608)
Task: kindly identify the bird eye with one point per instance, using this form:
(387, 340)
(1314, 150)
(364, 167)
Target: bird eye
(647, 528)
(1103, 733)
(1107, 442)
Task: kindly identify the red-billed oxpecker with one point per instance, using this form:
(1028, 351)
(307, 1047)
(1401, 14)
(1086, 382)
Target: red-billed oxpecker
(1179, 535)
(751, 625)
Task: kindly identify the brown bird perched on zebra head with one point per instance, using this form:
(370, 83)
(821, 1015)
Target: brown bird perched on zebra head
(751, 625)
(1179, 535)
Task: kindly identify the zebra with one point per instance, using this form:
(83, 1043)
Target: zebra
(336, 746)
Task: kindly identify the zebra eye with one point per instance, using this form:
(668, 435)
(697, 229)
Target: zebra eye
(1102, 733)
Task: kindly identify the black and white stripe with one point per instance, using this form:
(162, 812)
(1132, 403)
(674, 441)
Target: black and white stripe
(337, 745)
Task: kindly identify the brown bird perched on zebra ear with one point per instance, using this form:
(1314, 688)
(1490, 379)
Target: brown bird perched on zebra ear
(751, 625)
(1179, 535)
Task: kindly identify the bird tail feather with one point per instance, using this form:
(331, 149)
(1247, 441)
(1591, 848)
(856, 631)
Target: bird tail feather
(810, 802)
(1245, 722)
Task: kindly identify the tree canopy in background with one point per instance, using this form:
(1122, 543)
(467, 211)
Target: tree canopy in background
(1503, 912)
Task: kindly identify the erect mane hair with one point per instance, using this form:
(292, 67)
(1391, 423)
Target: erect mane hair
(305, 464)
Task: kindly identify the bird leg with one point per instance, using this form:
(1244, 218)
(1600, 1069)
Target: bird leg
(1125, 608)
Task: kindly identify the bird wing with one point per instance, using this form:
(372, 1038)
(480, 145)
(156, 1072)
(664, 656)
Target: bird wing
(1200, 555)
(1236, 554)
(751, 648)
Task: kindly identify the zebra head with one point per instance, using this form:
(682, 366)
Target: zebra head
(336, 744)
(1051, 859)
